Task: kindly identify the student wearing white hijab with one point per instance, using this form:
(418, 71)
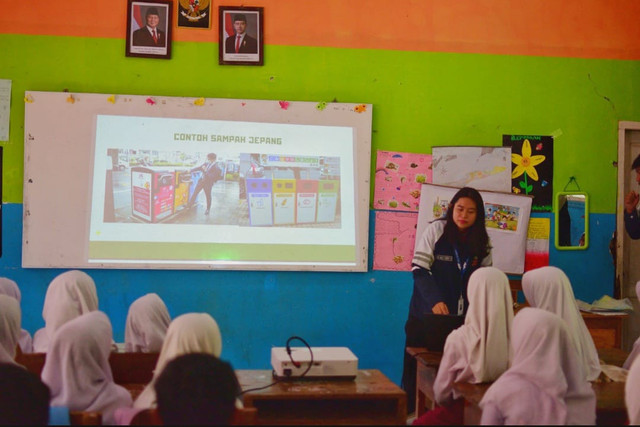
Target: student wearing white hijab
(478, 351)
(188, 333)
(549, 288)
(10, 318)
(10, 288)
(69, 295)
(632, 393)
(545, 383)
(147, 323)
(635, 351)
(77, 368)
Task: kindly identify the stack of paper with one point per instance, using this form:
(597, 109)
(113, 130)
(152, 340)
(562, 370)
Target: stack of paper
(606, 304)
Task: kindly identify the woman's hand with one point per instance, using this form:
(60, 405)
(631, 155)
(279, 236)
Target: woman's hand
(440, 308)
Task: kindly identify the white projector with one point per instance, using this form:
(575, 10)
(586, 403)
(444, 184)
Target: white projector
(328, 362)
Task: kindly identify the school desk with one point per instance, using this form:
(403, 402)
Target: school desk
(610, 407)
(371, 398)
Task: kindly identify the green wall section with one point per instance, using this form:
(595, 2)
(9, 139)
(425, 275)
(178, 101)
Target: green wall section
(420, 100)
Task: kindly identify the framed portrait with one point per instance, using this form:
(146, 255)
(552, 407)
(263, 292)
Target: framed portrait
(149, 28)
(241, 40)
(194, 13)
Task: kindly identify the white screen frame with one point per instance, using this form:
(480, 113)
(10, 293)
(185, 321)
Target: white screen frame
(59, 151)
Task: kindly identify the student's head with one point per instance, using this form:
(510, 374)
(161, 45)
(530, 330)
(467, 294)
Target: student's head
(152, 17)
(196, 389)
(635, 166)
(24, 398)
(239, 23)
(465, 216)
(212, 157)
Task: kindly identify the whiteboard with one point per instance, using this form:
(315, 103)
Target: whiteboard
(86, 153)
(506, 219)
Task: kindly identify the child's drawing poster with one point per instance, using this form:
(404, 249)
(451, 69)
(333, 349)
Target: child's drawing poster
(394, 239)
(532, 168)
(506, 219)
(398, 180)
(483, 168)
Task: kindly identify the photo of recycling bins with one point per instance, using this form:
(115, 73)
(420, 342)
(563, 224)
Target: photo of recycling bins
(243, 189)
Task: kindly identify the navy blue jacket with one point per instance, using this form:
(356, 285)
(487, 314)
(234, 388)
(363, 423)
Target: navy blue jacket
(443, 283)
(632, 224)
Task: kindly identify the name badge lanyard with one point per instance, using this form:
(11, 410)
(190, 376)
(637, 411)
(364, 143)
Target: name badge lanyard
(462, 266)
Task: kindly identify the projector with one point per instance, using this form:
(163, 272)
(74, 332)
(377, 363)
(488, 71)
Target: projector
(328, 363)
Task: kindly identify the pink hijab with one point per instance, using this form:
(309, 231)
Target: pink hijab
(69, 295)
(636, 345)
(147, 323)
(549, 288)
(478, 351)
(632, 393)
(545, 383)
(10, 318)
(77, 367)
(10, 288)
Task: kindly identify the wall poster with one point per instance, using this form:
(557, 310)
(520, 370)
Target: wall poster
(394, 240)
(483, 168)
(398, 180)
(532, 168)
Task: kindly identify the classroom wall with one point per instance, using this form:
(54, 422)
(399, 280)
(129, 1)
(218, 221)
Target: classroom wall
(437, 73)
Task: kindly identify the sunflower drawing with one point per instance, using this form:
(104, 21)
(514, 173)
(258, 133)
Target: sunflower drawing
(525, 166)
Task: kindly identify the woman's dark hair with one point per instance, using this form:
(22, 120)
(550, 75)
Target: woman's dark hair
(477, 239)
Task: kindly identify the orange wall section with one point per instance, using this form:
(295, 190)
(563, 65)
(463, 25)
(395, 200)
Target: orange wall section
(600, 29)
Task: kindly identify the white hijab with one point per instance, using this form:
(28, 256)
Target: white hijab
(69, 295)
(549, 288)
(77, 368)
(10, 288)
(188, 333)
(635, 351)
(147, 323)
(632, 393)
(10, 318)
(545, 383)
(478, 351)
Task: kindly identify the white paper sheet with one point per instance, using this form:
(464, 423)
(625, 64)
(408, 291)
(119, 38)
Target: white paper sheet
(5, 108)
(483, 168)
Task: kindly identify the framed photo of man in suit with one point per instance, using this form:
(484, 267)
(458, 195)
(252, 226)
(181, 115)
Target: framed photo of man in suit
(149, 28)
(240, 38)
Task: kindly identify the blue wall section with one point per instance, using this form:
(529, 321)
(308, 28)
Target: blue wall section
(259, 310)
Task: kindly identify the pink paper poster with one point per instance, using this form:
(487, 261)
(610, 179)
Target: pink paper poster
(394, 240)
(399, 177)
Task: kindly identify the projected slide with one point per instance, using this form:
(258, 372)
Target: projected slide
(175, 190)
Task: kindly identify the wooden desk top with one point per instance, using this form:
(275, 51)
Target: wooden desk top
(127, 368)
(612, 356)
(368, 382)
(609, 395)
(424, 356)
(369, 399)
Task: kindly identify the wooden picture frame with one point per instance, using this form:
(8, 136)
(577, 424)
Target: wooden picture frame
(249, 50)
(194, 14)
(142, 18)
